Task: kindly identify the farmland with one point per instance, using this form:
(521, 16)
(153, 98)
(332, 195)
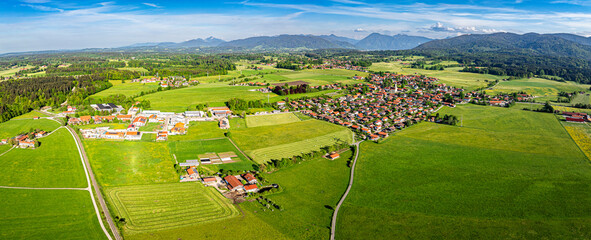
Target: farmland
(188, 150)
(184, 99)
(546, 89)
(272, 119)
(56, 163)
(200, 130)
(31, 114)
(15, 126)
(581, 134)
(305, 214)
(159, 207)
(315, 77)
(499, 175)
(48, 214)
(128, 89)
(267, 142)
(127, 163)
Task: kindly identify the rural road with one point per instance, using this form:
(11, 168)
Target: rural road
(90, 178)
(336, 210)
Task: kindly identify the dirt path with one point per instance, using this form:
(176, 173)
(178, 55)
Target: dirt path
(32, 188)
(336, 211)
(13, 147)
(89, 177)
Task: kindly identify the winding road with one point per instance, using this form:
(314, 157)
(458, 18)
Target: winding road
(336, 211)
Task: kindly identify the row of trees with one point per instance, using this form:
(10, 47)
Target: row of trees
(276, 164)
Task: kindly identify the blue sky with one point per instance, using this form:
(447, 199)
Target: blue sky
(29, 25)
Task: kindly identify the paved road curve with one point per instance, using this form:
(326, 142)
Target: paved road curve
(97, 190)
(336, 211)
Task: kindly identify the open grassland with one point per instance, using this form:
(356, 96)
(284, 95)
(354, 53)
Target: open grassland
(126, 163)
(270, 119)
(310, 190)
(56, 163)
(301, 95)
(110, 125)
(200, 130)
(48, 214)
(545, 89)
(262, 155)
(158, 207)
(14, 127)
(450, 76)
(581, 134)
(568, 109)
(189, 150)
(31, 114)
(4, 148)
(582, 98)
(507, 173)
(12, 71)
(134, 69)
(315, 77)
(128, 89)
(180, 100)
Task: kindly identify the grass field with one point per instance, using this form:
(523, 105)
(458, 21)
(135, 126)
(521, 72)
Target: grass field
(189, 150)
(507, 173)
(110, 125)
(450, 76)
(200, 130)
(545, 89)
(315, 77)
(158, 207)
(581, 134)
(270, 119)
(14, 127)
(48, 214)
(582, 98)
(56, 163)
(180, 100)
(308, 188)
(128, 163)
(31, 114)
(134, 69)
(128, 89)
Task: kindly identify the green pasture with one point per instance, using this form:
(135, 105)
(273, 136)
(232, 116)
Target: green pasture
(506, 173)
(270, 119)
(128, 89)
(121, 125)
(14, 127)
(200, 130)
(180, 100)
(30, 115)
(582, 99)
(48, 214)
(189, 150)
(134, 69)
(544, 89)
(157, 207)
(151, 127)
(55, 164)
(315, 77)
(310, 191)
(117, 163)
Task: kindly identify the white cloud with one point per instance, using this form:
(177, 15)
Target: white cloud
(43, 8)
(35, 1)
(151, 5)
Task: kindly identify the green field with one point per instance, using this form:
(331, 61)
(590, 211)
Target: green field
(56, 163)
(110, 125)
(200, 130)
(270, 119)
(180, 100)
(48, 214)
(315, 77)
(507, 173)
(543, 88)
(31, 114)
(308, 188)
(189, 150)
(158, 207)
(128, 163)
(128, 89)
(450, 76)
(582, 98)
(14, 127)
(286, 140)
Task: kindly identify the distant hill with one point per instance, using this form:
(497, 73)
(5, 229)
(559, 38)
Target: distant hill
(529, 44)
(208, 42)
(574, 38)
(376, 41)
(335, 38)
(286, 42)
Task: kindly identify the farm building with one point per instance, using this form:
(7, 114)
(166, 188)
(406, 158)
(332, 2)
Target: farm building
(194, 114)
(227, 156)
(249, 178)
(233, 183)
(133, 136)
(334, 156)
(210, 181)
(220, 112)
(251, 188)
(108, 107)
(124, 117)
(26, 143)
(162, 136)
(40, 134)
(224, 123)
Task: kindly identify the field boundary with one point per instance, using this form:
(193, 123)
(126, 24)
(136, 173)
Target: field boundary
(32, 188)
(333, 225)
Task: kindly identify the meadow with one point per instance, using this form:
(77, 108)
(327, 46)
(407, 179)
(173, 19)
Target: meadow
(498, 175)
(117, 163)
(14, 127)
(31, 114)
(310, 191)
(270, 119)
(285, 140)
(128, 89)
(200, 130)
(189, 150)
(180, 100)
(545, 89)
(315, 77)
(110, 125)
(581, 134)
(55, 164)
(157, 207)
(48, 214)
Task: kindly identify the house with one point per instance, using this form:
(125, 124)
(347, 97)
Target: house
(140, 121)
(373, 137)
(334, 156)
(40, 134)
(224, 123)
(233, 183)
(133, 136)
(124, 117)
(71, 109)
(73, 121)
(178, 129)
(162, 136)
(132, 128)
(26, 143)
(192, 172)
(85, 119)
(209, 181)
(383, 134)
(114, 135)
(3, 141)
(249, 178)
(108, 107)
(251, 188)
(220, 111)
(281, 103)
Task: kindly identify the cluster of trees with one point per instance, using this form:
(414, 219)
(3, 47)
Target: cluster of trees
(423, 65)
(185, 65)
(268, 203)
(276, 164)
(485, 70)
(237, 104)
(446, 119)
(286, 89)
(286, 65)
